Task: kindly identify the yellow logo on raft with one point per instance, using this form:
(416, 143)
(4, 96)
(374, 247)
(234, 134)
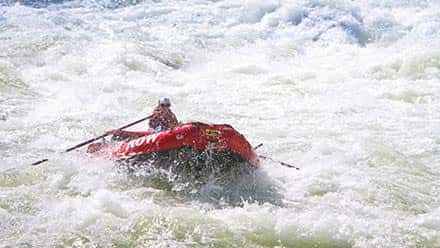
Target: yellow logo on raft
(212, 133)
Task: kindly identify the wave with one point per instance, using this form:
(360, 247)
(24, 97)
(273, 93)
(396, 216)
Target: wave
(220, 179)
(109, 4)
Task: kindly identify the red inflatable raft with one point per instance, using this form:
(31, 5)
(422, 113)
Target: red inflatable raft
(198, 137)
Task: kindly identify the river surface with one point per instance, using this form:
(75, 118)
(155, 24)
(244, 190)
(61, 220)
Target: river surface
(349, 91)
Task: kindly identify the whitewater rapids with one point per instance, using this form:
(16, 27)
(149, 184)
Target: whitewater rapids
(347, 90)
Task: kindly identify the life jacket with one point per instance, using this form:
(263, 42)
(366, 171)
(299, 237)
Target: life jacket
(163, 119)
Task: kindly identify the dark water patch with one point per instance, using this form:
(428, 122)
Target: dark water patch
(12, 178)
(327, 21)
(114, 4)
(15, 93)
(19, 202)
(34, 3)
(218, 178)
(180, 228)
(109, 4)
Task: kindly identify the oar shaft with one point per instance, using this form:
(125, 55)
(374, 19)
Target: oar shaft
(96, 138)
(136, 122)
(39, 162)
(106, 134)
(86, 142)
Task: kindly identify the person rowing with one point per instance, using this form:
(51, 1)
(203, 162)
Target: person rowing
(161, 119)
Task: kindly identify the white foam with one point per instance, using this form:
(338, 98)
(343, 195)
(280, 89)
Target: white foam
(346, 90)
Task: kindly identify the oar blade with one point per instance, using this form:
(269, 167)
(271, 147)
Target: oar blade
(280, 162)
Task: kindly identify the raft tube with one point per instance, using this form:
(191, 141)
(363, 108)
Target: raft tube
(197, 136)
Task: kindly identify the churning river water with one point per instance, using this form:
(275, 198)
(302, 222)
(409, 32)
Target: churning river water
(347, 90)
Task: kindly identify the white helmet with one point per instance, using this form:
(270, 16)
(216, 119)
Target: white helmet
(165, 101)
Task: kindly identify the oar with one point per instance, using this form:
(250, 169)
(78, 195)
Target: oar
(258, 146)
(94, 139)
(271, 159)
(280, 162)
